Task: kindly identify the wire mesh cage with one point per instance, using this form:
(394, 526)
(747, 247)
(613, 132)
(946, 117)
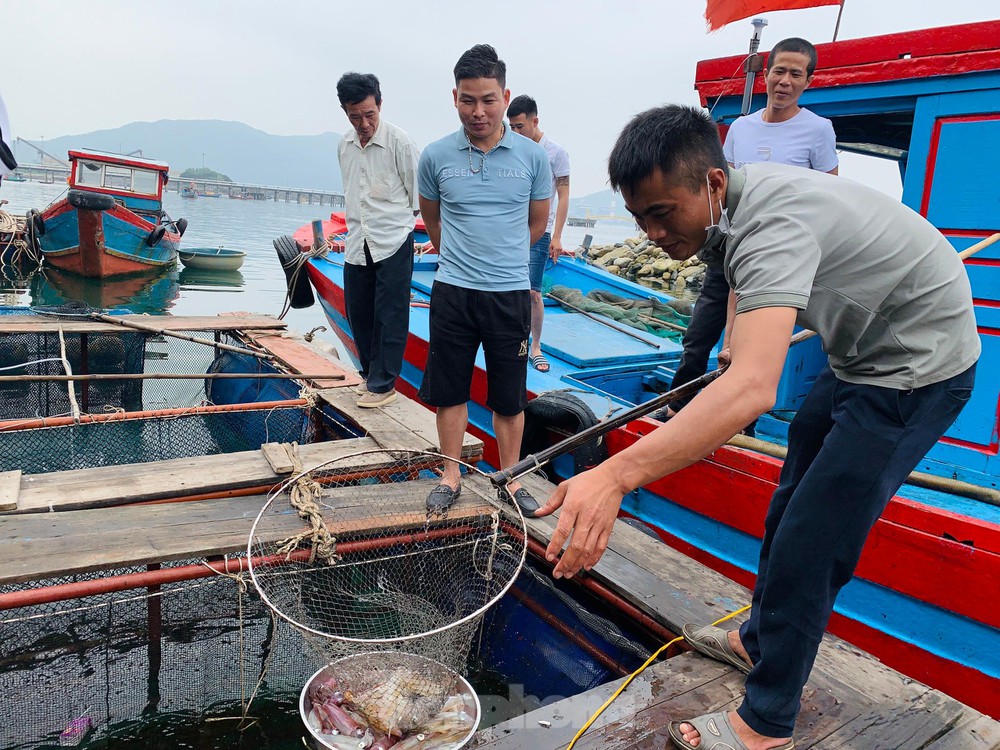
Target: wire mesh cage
(390, 593)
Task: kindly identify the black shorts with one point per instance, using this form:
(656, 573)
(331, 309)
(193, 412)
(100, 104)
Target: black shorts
(462, 319)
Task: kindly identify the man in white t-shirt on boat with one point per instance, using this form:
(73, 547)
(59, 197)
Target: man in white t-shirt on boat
(780, 133)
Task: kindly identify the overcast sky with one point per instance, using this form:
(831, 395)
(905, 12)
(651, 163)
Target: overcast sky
(73, 66)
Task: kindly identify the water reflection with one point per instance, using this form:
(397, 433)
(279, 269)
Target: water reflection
(154, 295)
(211, 281)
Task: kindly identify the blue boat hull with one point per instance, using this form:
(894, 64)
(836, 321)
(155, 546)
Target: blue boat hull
(101, 244)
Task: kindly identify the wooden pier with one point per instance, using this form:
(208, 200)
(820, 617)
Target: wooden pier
(63, 526)
(56, 173)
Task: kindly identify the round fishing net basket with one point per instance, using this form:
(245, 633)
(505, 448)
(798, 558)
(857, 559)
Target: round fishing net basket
(349, 554)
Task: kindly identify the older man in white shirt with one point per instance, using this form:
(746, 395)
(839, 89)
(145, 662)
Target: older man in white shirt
(378, 162)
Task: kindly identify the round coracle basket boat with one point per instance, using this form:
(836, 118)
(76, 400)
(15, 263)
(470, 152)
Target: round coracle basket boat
(212, 258)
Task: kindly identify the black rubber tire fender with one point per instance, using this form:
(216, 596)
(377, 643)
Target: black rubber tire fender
(181, 225)
(154, 237)
(90, 201)
(563, 412)
(36, 222)
(300, 293)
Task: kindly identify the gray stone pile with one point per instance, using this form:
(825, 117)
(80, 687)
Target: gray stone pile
(638, 259)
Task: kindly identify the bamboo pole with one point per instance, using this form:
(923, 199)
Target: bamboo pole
(916, 478)
(981, 245)
(162, 332)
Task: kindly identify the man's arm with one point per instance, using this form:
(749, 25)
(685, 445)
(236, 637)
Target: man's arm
(725, 353)
(562, 211)
(835, 170)
(431, 213)
(407, 163)
(538, 217)
(590, 501)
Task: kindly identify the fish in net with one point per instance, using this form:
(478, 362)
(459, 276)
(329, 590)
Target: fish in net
(389, 595)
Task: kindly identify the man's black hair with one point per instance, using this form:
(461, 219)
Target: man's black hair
(795, 44)
(681, 141)
(353, 88)
(522, 105)
(481, 61)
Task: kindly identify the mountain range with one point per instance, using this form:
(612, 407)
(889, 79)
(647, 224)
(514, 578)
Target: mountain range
(234, 148)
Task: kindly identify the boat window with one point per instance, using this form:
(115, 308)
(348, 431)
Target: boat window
(89, 173)
(145, 181)
(118, 178)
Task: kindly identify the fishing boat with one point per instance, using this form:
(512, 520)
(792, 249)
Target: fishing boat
(212, 258)
(334, 232)
(111, 222)
(921, 600)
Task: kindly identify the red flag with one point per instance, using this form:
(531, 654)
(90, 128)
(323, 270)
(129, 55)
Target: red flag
(720, 12)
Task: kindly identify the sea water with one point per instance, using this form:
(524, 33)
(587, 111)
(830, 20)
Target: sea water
(247, 225)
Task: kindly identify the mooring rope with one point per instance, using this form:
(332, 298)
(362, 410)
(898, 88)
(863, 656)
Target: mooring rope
(303, 495)
(69, 383)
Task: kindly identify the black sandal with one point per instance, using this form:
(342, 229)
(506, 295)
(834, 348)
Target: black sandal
(441, 498)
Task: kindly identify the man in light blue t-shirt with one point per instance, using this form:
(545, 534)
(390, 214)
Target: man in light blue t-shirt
(484, 196)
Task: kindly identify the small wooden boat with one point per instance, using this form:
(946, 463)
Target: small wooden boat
(213, 258)
(111, 222)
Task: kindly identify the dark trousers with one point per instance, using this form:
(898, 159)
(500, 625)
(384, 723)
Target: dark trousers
(377, 301)
(850, 447)
(703, 331)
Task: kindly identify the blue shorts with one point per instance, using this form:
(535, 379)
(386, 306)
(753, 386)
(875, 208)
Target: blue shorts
(536, 261)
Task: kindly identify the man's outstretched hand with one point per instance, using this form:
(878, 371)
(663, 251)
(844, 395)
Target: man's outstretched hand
(590, 503)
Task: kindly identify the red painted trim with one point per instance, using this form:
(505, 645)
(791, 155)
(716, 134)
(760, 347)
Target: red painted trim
(113, 191)
(994, 262)
(935, 142)
(989, 450)
(985, 331)
(155, 166)
(950, 50)
(986, 302)
(896, 556)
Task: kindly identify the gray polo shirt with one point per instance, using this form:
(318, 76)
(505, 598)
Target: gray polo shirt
(885, 291)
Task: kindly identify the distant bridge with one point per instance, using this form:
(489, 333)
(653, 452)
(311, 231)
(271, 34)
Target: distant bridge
(51, 173)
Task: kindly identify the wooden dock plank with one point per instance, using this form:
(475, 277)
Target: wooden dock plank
(158, 480)
(299, 355)
(43, 323)
(10, 489)
(48, 545)
(401, 425)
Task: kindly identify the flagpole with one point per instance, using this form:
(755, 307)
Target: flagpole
(840, 13)
(752, 64)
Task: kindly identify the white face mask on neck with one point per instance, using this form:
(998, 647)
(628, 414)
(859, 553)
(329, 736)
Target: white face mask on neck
(717, 231)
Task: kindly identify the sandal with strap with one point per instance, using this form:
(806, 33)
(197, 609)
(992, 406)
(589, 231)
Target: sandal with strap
(713, 642)
(716, 734)
(540, 363)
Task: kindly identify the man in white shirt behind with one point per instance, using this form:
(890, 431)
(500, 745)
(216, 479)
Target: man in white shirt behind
(378, 162)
